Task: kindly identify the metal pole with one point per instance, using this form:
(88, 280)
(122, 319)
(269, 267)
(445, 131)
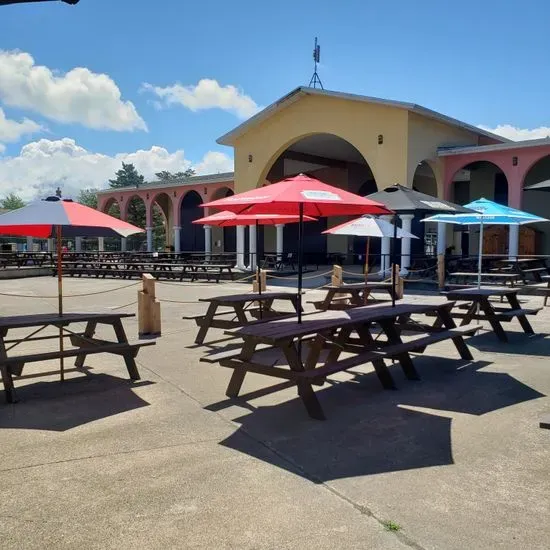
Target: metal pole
(258, 278)
(60, 297)
(393, 275)
(300, 258)
(480, 252)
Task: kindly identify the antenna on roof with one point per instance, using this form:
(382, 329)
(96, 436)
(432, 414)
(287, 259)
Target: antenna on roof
(315, 80)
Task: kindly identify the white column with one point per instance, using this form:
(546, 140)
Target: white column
(177, 239)
(240, 247)
(51, 245)
(78, 244)
(30, 244)
(513, 242)
(149, 231)
(252, 247)
(207, 240)
(123, 244)
(101, 244)
(441, 238)
(406, 221)
(279, 247)
(385, 259)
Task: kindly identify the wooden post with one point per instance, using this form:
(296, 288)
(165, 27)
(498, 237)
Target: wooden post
(263, 281)
(397, 282)
(337, 279)
(441, 271)
(148, 308)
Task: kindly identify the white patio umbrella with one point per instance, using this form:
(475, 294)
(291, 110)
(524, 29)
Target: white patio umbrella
(369, 226)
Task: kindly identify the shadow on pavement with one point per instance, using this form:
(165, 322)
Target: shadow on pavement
(60, 406)
(368, 430)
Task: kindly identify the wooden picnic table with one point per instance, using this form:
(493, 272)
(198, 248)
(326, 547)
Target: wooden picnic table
(350, 295)
(524, 268)
(245, 309)
(480, 307)
(333, 330)
(83, 341)
(498, 277)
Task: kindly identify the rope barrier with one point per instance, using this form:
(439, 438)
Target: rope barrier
(125, 305)
(69, 295)
(303, 278)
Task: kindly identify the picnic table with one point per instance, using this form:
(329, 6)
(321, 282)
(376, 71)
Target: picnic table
(83, 341)
(524, 268)
(498, 277)
(333, 330)
(245, 308)
(349, 295)
(480, 307)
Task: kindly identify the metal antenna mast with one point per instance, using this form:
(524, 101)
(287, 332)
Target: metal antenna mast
(315, 80)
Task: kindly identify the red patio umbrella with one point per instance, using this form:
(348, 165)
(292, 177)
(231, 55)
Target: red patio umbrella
(230, 219)
(303, 196)
(57, 218)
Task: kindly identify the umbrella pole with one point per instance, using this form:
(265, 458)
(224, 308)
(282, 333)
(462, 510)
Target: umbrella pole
(60, 297)
(393, 263)
(300, 259)
(367, 258)
(480, 252)
(258, 278)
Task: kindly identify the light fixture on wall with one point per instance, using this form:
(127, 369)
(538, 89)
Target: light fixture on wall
(380, 139)
(205, 191)
(250, 158)
(514, 161)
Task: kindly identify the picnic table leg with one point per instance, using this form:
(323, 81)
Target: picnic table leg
(468, 317)
(206, 322)
(448, 322)
(237, 378)
(89, 332)
(128, 357)
(305, 390)
(489, 312)
(523, 321)
(388, 326)
(382, 371)
(7, 379)
(325, 305)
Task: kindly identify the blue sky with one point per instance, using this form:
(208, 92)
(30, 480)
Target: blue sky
(482, 62)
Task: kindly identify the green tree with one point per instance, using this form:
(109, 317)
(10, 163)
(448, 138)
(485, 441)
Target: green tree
(88, 197)
(127, 176)
(12, 202)
(167, 177)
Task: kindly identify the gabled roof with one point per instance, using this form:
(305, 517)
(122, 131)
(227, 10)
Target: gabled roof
(302, 91)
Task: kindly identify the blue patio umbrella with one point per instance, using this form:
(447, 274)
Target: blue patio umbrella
(486, 212)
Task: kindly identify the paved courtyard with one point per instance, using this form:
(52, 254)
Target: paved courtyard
(454, 461)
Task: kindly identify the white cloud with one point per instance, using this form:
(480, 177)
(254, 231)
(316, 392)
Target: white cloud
(207, 94)
(11, 130)
(518, 134)
(78, 96)
(45, 164)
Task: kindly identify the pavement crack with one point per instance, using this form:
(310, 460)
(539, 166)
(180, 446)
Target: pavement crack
(105, 455)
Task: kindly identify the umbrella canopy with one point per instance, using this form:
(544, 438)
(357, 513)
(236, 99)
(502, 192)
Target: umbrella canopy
(230, 219)
(404, 199)
(367, 226)
(42, 218)
(318, 199)
(540, 186)
(487, 212)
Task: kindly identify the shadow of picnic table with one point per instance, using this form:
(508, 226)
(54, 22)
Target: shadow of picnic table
(76, 401)
(370, 430)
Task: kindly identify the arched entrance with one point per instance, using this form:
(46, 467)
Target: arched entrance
(163, 227)
(224, 238)
(424, 181)
(480, 179)
(112, 207)
(135, 213)
(192, 235)
(334, 161)
(535, 237)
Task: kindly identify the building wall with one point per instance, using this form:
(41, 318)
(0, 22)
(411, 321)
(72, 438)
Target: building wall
(356, 122)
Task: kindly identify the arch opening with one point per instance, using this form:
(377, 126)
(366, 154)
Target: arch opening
(162, 222)
(191, 235)
(476, 180)
(334, 161)
(424, 181)
(535, 237)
